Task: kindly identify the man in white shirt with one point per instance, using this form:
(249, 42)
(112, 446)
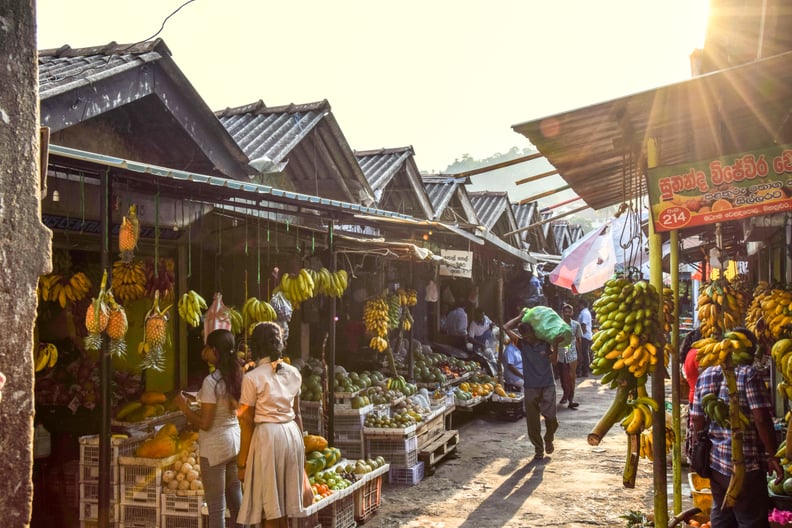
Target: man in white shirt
(584, 354)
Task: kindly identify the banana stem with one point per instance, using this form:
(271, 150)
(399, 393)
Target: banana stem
(631, 464)
(738, 460)
(618, 408)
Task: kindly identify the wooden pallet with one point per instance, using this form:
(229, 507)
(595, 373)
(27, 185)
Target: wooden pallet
(438, 449)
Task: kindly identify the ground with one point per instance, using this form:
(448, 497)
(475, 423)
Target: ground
(494, 482)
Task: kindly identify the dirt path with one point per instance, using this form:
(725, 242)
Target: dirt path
(494, 482)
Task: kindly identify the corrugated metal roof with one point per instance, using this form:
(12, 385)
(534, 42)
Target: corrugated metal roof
(449, 198)
(490, 207)
(734, 110)
(396, 181)
(307, 136)
(527, 214)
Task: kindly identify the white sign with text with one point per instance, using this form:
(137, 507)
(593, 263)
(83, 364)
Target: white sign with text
(459, 263)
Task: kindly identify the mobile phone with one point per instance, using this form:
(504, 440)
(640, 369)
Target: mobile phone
(189, 396)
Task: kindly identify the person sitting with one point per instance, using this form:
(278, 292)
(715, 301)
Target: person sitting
(512, 367)
(480, 329)
(456, 326)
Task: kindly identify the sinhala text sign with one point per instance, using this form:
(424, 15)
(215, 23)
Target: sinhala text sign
(731, 187)
(459, 263)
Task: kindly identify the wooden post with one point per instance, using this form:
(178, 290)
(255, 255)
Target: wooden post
(676, 454)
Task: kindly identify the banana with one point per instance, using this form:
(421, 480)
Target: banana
(53, 355)
(42, 357)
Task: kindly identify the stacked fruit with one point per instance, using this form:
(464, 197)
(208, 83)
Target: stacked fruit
(129, 280)
(630, 333)
(256, 311)
(711, 351)
(190, 306)
(720, 307)
(375, 317)
(297, 288)
(332, 284)
(56, 288)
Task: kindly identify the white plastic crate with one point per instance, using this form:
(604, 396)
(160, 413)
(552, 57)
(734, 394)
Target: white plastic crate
(184, 503)
(349, 422)
(351, 449)
(141, 484)
(90, 473)
(395, 450)
(89, 491)
(406, 476)
(89, 511)
(134, 516)
(89, 448)
(182, 521)
(349, 435)
(94, 523)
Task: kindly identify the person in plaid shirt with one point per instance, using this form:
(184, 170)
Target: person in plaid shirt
(759, 444)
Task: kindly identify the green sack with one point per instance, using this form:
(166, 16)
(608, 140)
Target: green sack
(548, 325)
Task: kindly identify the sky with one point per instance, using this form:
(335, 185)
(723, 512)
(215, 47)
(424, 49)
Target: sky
(448, 77)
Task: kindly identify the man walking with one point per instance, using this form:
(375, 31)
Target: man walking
(584, 353)
(538, 358)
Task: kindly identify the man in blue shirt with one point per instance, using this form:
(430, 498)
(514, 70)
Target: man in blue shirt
(538, 358)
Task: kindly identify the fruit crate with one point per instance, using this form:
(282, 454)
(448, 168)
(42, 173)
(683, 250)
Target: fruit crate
(182, 521)
(509, 411)
(90, 473)
(430, 428)
(352, 449)
(89, 511)
(89, 448)
(344, 398)
(399, 451)
(309, 521)
(700, 491)
(406, 476)
(347, 421)
(134, 516)
(141, 480)
(349, 435)
(339, 514)
(89, 491)
(182, 503)
(369, 496)
(312, 417)
(348, 410)
(390, 432)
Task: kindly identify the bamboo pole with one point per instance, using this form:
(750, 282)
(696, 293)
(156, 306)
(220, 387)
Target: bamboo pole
(676, 455)
(545, 194)
(541, 222)
(497, 166)
(529, 179)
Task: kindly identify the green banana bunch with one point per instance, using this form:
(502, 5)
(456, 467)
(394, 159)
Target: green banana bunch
(257, 311)
(640, 417)
(190, 306)
(718, 411)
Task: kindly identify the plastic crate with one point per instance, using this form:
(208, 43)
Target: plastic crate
(89, 511)
(89, 448)
(406, 476)
(700, 491)
(510, 411)
(390, 432)
(339, 514)
(399, 451)
(352, 450)
(350, 422)
(346, 410)
(368, 499)
(312, 417)
(94, 523)
(349, 435)
(89, 491)
(141, 480)
(182, 521)
(134, 516)
(344, 398)
(90, 472)
(309, 521)
(182, 503)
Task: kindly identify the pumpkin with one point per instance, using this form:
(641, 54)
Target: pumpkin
(314, 443)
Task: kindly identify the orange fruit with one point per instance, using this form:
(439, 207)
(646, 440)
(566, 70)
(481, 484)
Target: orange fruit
(721, 205)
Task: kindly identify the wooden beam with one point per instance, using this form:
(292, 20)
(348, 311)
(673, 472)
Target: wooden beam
(541, 222)
(536, 177)
(559, 204)
(497, 166)
(542, 195)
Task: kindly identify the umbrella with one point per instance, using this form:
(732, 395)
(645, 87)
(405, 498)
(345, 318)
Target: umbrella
(592, 260)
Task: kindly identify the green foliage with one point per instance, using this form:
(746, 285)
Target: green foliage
(637, 519)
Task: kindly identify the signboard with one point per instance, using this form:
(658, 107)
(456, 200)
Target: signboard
(457, 263)
(731, 187)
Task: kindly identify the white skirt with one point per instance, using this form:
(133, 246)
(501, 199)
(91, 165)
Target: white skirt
(274, 476)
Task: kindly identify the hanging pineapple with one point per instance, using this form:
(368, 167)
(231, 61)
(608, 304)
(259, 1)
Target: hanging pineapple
(96, 317)
(117, 326)
(155, 335)
(128, 234)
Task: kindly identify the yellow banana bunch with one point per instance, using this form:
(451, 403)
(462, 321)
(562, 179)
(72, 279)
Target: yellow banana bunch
(710, 351)
(297, 288)
(408, 321)
(784, 389)
(129, 280)
(258, 311)
(640, 417)
(407, 297)
(375, 316)
(782, 357)
(46, 356)
(331, 284)
(237, 321)
(378, 343)
(630, 332)
(190, 308)
(669, 321)
(646, 442)
(56, 288)
(754, 313)
(776, 313)
(720, 308)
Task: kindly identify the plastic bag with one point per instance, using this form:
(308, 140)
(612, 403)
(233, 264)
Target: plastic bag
(548, 325)
(216, 317)
(282, 306)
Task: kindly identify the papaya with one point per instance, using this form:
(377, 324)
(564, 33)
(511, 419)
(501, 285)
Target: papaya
(158, 447)
(152, 397)
(168, 430)
(314, 443)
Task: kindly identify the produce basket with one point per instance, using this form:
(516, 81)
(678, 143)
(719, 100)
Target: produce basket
(700, 491)
(466, 404)
(369, 496)
(409, 476)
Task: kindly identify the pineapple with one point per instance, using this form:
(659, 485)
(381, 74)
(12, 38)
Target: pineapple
(117, 326)
(128, 233)
(155, 334)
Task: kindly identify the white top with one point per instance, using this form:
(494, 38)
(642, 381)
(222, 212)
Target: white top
(476, 329)
(271, 393)
(512, 356)
(220, 443)
(584, 318)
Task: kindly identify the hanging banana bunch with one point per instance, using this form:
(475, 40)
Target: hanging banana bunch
(297, 288)
(45, 356)
(754, 315)
(332, 284)
(97, 317)
(117, 326)
(129, 280)
(237, 320)
(256, 311)
(711, 351)
(190, 308)
(128, 234)
(394, 311)
(407, 297)
(719, 308)
(155, 335)
(56, 288)
(669, 321)
(376, 317)
(647, 442)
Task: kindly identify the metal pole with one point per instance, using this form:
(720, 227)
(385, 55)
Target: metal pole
(410, 348)
(676, 455)
(331, 356)
(105, 366)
